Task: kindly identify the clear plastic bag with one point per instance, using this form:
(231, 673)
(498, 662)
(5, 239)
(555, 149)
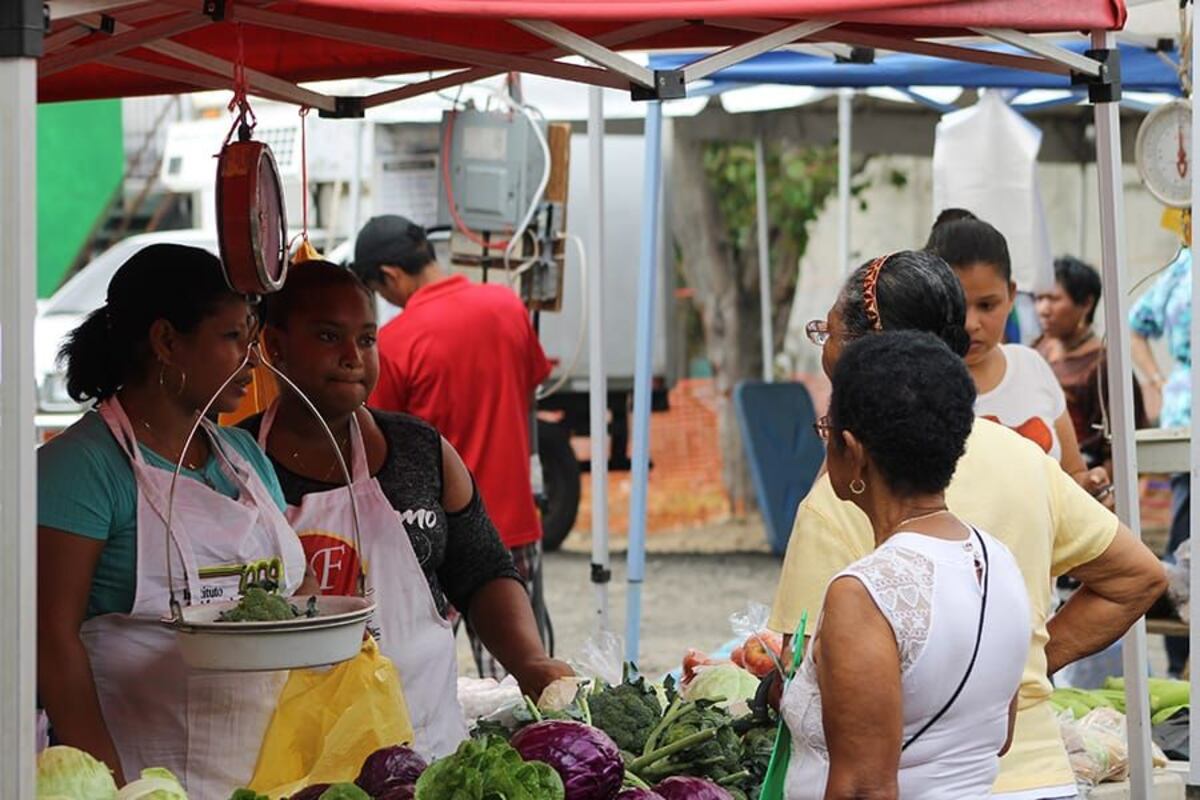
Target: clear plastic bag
(1096, 746)
(602, 656)
(761, 651)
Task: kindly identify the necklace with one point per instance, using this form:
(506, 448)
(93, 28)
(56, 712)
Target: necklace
(1080, 342)
(919, 517)
(183, 456)
(343, 446)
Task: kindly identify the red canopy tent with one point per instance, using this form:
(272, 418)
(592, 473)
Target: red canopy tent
(120, 48)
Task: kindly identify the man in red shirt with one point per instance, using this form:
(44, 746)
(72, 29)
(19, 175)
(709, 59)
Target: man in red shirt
(465, 358)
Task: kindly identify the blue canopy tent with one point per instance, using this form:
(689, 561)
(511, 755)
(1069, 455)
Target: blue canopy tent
(1142, 70)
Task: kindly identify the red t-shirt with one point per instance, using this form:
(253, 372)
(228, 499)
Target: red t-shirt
(465, 358)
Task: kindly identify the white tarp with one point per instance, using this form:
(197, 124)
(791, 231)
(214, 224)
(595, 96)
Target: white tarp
(985, 160)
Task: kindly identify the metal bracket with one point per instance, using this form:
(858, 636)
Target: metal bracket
(22, 28)
(345, 108)
(1106, 87)
(600, 574)
(215, 9)
(858, 55)
(669, 84)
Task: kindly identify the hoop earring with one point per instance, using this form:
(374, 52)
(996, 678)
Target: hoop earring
(162, 384)
(858, 486)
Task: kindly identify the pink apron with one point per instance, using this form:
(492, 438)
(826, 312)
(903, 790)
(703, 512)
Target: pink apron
(204, 726)
(411, 631)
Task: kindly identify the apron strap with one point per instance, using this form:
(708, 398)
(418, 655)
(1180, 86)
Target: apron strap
(118, 423)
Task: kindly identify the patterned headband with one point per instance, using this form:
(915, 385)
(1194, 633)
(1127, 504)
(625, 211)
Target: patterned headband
(870, 300)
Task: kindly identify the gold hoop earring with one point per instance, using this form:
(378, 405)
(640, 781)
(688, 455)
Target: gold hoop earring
(162, 384)
(858, 486)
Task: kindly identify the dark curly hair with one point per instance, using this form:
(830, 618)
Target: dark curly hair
(181, 284)
(1080, 281)
(962, 239)
(916, 290)
(309, 278)
(910, 401)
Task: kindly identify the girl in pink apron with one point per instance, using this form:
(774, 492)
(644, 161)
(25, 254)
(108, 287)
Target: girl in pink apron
(110, 676)
(426, 538)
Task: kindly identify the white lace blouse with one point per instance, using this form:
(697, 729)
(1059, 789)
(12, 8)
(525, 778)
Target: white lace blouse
(929, 590)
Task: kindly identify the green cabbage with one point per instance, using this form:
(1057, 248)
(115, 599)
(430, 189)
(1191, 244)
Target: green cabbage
(728, 684)
(74, 775)
(155, 784)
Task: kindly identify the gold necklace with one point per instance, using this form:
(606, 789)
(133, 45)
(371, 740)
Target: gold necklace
(919, 517)
(182, 456)
(343, 447)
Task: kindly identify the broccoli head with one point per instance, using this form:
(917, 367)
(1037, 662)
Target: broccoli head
(694, 738)
(259, 605)
(627, 713)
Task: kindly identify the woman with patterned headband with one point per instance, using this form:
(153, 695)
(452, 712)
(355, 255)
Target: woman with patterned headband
(1003, 484)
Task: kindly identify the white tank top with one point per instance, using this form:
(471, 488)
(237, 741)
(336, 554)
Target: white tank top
(929, 591)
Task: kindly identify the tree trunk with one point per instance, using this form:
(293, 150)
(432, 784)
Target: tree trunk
(725, 284)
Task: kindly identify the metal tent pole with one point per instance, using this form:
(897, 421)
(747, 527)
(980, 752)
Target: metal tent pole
(647, 285)
(597, 375)
(845, 123)
(1120, 390)
(764, 256)
(1194, 460)
(20, 45)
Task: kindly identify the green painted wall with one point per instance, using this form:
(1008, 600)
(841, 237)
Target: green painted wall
(80, 161)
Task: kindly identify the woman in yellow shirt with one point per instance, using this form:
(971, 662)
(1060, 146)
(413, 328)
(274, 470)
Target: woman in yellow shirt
(1005, 485)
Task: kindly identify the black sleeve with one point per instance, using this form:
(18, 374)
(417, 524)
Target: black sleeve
(475, 555)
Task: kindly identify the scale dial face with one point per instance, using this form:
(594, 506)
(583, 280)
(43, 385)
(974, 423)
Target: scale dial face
(1164, 153)
(269, 226)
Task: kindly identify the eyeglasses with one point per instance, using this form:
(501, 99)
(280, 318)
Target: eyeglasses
(818, 332)
(823, 426)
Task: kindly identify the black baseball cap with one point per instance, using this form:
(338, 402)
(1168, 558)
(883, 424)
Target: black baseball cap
(394, 240)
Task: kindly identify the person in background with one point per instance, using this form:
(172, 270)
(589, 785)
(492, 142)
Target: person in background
(1077, 355)
(1005, 485)
(1016, 386)
(426, 538)
(908, 688)
(465, 358)
(1165, 311)
(110, 675)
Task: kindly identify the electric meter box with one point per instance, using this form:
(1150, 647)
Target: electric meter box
(494, 164)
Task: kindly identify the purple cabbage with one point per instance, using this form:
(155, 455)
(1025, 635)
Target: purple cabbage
(390, 768)
(586, 759)
(313, 792)
(684, 788)
(634, 793)
(406, 792)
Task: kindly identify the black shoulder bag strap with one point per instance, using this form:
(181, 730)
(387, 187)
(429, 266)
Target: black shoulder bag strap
(987, 574)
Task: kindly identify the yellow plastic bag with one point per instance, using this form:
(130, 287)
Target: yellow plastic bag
(328, 721)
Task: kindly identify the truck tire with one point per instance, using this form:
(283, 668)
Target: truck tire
(560, 471)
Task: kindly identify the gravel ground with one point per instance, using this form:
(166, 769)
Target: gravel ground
(694, 581)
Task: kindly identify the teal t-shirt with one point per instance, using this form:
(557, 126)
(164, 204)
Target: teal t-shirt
(86, 487)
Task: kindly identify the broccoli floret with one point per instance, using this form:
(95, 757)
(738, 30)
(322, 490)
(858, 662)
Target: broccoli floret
(259, 605)
(695, 738)
(627, 713)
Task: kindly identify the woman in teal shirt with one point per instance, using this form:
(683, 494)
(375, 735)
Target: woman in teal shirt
(170, 336)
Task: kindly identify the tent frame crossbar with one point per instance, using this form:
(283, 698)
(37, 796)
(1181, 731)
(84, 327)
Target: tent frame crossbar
(611, 39)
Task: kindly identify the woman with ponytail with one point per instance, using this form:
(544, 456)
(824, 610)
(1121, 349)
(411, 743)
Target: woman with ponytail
(170, 336)
(1003, 484)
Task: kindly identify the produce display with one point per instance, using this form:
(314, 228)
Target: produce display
(65, 773)
(259, 604)
(488, 768)
(1167, 698)
(638, 740)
